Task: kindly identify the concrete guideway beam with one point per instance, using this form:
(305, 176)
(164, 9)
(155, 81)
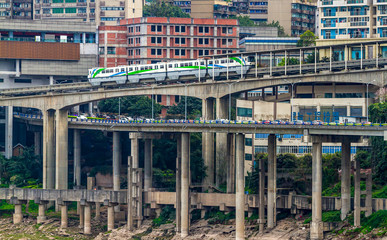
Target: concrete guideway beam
(316, 226)
(240, 187)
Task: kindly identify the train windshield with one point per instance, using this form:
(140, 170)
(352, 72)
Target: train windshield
(251, 59)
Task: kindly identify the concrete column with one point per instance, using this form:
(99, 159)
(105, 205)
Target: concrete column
(63, 216)
(18, 216)
(87, 226)
(221, 143)
(147, 164)
(316, 226)
(52, 80)
(368, 200)
(48, 150)
(208, 142)
(134, 149)
(8, 131)
(41, 213)
(110, 218)
(81, 216)
(240, 186)
(116, 161)
(178, 185)
(131, 212)
(345, 178)
(77, 157)
(357, 208)
(37, 144)
(231, 163)
(261, 195)
(185, 181)
(271, 150)
(97, 210)
(61, 177)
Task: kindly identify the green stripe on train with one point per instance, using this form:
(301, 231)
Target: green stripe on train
(237, 60)
(194, 67)
(98, 71)
(140, 71)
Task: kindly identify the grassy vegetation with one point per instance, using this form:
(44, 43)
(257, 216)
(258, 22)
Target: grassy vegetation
(330, 216)
(167, 215)
(217, 217)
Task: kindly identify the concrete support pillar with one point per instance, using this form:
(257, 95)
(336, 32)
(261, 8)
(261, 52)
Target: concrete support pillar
(116, 161)
(18, 216)
(221, 143)
(231, 163)
(271, 211)
(131, 212)
(261, 195)
(185, 182)
(345, 178)
(81, 216)
(357, 208)
(208, 142)
(37, 144)
(240, 186)
(77, 157)
(97, 210)
(87, 226)
(61, 177)
(41, 213)
(178, 185)
(368, 200)
(8, 131)
(316, 226)
(110, 217)
(63, 216)
(148, 164)
(134, 149)
(48, 149)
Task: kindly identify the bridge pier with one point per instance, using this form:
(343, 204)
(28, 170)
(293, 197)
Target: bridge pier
(48, 149)
(41, 212)
(77, 157)
(221, 143)
(345, 178)
(63, 215)
(148, 165)
(110, 217)
(231, 163)
(357, 195)
(261, 195)
(116, 164)
(185, 182)
(8, 131)
(208, 142)
(240, 186)
(316, 226)
(271, 181)
(178, 184)
(81, 216)
(18, 215)
(97, 210)
(87, 225)
(61, 180)
(37, 143)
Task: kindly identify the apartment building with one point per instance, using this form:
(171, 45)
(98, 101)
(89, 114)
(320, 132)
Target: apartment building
(16, 9)
(352, 19)
(155, 39)
(107, 12)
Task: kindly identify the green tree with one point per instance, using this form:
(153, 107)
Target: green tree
(134, 106)
(163, 9)
(244, 21)
(307, 39)
(378, 112)
(290, 61)
(194, 108)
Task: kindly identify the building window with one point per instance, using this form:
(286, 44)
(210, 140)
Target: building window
(22, 80)
(57, 10)
(244, 112)
(153, 39)
(71, 1)
(248, 157)
(101, 50)
(57, 1)
(81, 10)
(159, 40)
(180, 29)
(159, 28)
(71, 10)
(153, 28)
(248, 142)
(159, 99)
(137, 40)
(137, 28)
(1, 80)
(111, 50)
(200, 29)
(200, 41)
(182, 41)
(206, 29)
(206, 41)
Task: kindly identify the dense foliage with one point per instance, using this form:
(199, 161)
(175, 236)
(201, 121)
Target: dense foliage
(307, 39)
(134, 106)
(244, 21)
(163, 9)
(194, 109)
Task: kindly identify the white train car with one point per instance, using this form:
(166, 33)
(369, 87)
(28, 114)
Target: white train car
(169, 70)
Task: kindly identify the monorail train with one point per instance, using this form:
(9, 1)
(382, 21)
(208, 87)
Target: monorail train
(171, 70)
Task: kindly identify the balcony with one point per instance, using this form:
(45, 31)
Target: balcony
(327, 3)
(329, 14)
(358, 24)
(81, 14)
(91, 15)
(358, 2)
(91, 4)
(358, 13)
(329, 25)
(81, 4)
(380, 2)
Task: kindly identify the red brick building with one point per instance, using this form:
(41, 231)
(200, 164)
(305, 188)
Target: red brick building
(156, 39)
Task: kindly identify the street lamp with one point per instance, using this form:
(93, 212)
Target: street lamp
(291, 101)
(368, 83)
(229, 98)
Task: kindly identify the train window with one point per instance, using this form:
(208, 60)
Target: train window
(117, 69)
(161, 66)
(130, 69)
(196, 63)
(222, 61)
(217, 62)
(103, 71)
(122, 69)
(190, 64)
(176, 65)
(202, 63)
(186, 64)
(142, 68)
(156, 67)
(210, 62)
(170, 65)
